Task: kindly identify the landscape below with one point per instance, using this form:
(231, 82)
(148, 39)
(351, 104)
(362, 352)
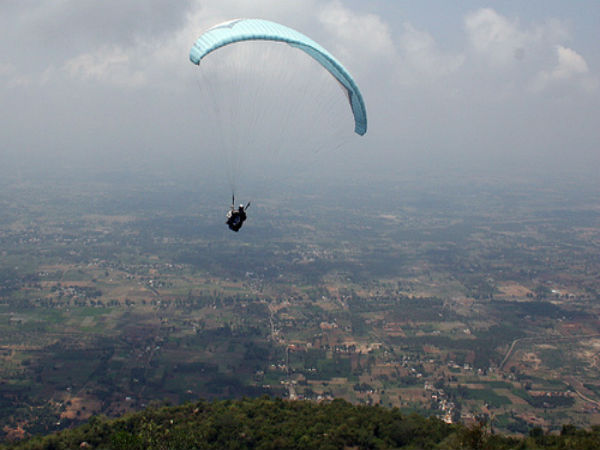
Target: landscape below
(471, 300)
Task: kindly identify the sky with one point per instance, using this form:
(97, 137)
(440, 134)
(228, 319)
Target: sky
(467, 84)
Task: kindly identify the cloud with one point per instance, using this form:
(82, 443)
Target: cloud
(367, 41)
(494, 37)
(570, 67)
(108, 64)
(359, 38)
(516, 59)
(503, 42)
(421, 59)
(570, 63)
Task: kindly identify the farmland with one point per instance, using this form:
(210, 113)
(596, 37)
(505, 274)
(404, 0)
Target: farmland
(119, 295)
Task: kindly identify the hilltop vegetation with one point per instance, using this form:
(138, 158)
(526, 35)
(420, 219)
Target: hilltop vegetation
(266, 423)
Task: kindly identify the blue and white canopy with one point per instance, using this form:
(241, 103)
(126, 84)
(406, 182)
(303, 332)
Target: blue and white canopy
(256, 29)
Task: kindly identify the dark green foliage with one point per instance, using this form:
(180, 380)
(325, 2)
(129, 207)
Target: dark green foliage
(487, 395)
(266, 423)
(545, 401)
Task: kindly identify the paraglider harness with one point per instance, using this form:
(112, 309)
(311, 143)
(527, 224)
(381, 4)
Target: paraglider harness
(236, 217)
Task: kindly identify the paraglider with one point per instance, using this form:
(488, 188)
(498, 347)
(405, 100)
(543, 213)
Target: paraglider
(236, 217)
(243, 30)
(239, 30)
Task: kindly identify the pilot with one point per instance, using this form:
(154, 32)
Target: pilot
(236, 217)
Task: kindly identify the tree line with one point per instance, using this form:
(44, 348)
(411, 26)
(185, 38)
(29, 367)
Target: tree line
(272, 423)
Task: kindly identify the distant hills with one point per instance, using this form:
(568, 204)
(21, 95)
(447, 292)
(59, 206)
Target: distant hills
(272, 423)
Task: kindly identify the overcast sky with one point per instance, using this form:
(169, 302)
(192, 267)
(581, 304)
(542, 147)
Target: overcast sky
(514, 83)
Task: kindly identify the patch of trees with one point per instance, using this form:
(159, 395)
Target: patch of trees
(550, 401)
(268, 423)
(11, 281)
(537, 309)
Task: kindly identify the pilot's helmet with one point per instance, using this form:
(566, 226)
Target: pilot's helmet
(241, 207)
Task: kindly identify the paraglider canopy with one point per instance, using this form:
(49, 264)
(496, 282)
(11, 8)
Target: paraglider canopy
(257, 29)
